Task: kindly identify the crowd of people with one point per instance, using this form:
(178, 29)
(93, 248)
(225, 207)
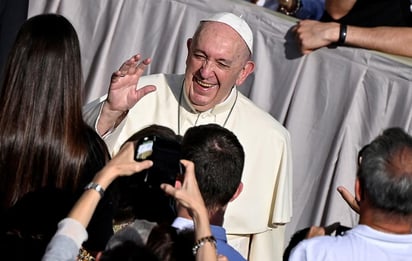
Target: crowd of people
(100, 173)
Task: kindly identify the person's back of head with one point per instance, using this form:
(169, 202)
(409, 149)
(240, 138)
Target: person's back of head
(385, 172)
(219, 159)
(42, 136)
(134, 198)
(168, 244)
(127, 251)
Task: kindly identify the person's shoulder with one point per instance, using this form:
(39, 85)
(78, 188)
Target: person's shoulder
(260, 118)
(313, 248)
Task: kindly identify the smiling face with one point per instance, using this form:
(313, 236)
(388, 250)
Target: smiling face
(218, 59)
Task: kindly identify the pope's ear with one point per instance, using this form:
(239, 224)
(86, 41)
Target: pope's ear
(247, 69)
(189, 43)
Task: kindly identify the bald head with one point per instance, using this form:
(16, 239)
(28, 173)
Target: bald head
(400, 163)
(385, 172)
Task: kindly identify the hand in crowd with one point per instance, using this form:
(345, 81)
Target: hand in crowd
(187, 193)
(349, 198)
(122, 164)
(313, 34)
(122, 92)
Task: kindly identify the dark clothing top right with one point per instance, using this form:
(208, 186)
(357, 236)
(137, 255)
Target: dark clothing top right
(371, 13)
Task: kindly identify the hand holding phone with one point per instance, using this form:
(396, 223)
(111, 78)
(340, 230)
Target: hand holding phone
(165, 154)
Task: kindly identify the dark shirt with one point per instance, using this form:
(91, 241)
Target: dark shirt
(371, 13)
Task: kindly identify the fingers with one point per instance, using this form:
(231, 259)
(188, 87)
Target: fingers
(168, 189)
(131, 67)
(189, 181)
(189, 171)
(140, 92)
(349, 198)
(142, 165)
(124, 161)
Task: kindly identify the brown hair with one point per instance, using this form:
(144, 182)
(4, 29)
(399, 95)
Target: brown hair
(42, 134)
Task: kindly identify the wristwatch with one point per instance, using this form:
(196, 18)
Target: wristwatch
(96, 187)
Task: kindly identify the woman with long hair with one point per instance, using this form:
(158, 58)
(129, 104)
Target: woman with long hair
(44, 142)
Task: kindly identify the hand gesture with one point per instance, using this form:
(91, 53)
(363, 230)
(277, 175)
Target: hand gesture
(122, 91)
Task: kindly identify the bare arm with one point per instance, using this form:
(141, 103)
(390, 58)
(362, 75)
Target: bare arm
(122, 164)
(393, 40)
(122, 94)
(338, 8)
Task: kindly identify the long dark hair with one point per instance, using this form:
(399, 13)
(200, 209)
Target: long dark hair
(42, 139)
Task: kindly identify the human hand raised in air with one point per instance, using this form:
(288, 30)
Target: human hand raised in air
(123, 95)
(122, 164)
(187, 193)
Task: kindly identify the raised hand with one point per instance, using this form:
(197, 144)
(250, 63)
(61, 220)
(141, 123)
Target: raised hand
(122, 164)
(187, 193)
(122, 91)
(123, 94)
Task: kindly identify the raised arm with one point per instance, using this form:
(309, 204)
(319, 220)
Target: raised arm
(123, 94)
(392, 40)
(188, 195)
(71, 231)
(122, 164)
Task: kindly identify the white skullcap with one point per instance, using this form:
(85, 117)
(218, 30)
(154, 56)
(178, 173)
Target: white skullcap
(237, 23)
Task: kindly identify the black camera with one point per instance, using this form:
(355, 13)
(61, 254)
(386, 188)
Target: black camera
(165, 154)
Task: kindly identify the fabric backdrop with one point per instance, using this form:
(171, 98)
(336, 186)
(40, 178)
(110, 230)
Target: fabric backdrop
(332, 101)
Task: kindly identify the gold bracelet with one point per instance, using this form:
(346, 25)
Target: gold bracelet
(201, 242)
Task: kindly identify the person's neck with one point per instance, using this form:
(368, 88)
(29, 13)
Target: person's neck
(384, 222)
(215, 217)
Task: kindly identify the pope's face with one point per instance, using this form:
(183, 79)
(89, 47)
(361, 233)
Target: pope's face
(217, 60)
